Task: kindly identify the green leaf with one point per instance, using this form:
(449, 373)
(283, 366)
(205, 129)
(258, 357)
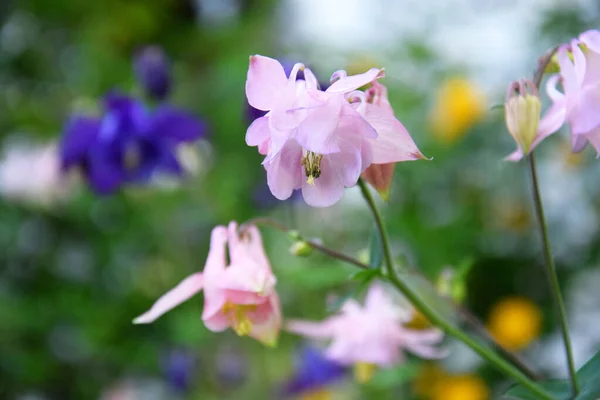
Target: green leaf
(560, 390)
(365, 276)
(589, 379)
(589, 382)
(375, 249)
(389, 378)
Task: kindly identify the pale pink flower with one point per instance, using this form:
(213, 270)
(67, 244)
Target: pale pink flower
(371, 334)
(579, 105)
(319, 141)
(240, 295)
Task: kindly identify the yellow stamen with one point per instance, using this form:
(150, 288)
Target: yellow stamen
(312, 166)
(237, 314)
(363, 372)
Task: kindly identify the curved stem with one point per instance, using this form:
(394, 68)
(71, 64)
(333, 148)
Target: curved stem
(436, 319)
(551, 274)
(317, 246)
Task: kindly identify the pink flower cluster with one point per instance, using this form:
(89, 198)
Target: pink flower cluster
(579, 102)
(321, 141)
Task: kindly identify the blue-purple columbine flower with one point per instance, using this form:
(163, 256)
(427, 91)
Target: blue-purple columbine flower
(153, 72)
(313, 372)
(179, 367)
(128, 144)
(253, 113)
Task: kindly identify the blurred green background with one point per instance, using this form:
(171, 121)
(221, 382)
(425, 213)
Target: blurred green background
(75, 272)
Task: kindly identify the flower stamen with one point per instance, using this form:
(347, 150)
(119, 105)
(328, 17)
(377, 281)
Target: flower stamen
(312, 166)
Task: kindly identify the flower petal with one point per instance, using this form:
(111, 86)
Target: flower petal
(591, 39)
(178, 125)
(316, 132)
(284, 172)
(78, 138)
(353, 82)
(394, 143)
(186, 289)
(265, 82)
(267, 332)
(258, 132)
(327, 190)
(317, 330)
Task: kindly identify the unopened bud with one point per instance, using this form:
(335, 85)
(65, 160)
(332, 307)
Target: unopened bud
(300, 249)
(522, 110)
(152, 70)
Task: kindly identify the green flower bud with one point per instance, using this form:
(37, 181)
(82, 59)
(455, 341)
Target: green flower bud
(300, 249)
(522, 110)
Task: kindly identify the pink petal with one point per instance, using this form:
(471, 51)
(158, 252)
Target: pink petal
(258, 132)
(552, 121)
(553, 93)
(567, 71)
(265, 82)
(327, 190)
(422, 343)
(316, 330)
(284, 172)
(215, 261)
(591, 39)
(347, 164)
(267, 331)
(578, 142)
(316, 132)
(256, 247)
(186, 289)
(394, 143)
(311, 79)
(579, 62)
(515, 156)
(350, 83)
(594, 139)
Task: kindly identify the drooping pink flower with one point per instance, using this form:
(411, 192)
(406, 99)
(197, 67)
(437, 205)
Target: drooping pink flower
(372, 334)
(319, 141)
(579, 105)
(240, 295)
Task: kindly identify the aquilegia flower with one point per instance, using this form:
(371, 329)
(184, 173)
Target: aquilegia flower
(152, 71)
(240, 296)
(371, 335)
(313, 373)
(319, 141)
(129, 143)
(579, 105)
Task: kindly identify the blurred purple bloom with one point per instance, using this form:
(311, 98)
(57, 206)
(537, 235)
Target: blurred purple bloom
(153, 72)
(128, 143)
(231, 367)
(253, 113)
(264, 199)
(313, 372)
(179, 366)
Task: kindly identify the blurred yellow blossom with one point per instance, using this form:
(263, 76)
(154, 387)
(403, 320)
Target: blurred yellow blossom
(461, 387)
(434, 383)
(320, 394)
(459, 105)
(515, 322)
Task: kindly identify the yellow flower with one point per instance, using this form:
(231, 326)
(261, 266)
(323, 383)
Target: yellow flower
(429, 378)
(320, 394)
(459, 106)
(461, 387)
(515, 322)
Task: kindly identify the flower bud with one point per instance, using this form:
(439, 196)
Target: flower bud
(152, 70)
(522, 110)
(300, 249)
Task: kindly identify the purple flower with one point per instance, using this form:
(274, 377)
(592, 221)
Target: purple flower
(313, 372)
(152, 70)
(128, 144)
(179, 367)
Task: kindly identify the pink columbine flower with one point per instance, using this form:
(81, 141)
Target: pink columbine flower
(373, 334)
(579, 105)
(240, 295)
(314, 140)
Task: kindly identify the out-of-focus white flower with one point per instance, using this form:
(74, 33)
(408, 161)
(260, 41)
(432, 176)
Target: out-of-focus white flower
(31, 174)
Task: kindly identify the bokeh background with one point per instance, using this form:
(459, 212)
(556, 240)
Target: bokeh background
(76, 268)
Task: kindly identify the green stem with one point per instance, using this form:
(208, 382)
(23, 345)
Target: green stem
(551, 273)
(432, 316)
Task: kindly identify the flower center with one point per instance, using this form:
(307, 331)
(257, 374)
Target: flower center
(312, 166)
(363, 372)
(238, 316)
(133, 156)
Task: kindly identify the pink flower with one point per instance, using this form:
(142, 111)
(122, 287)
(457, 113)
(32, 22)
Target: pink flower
(579, 105)
(319, 141)
(241, 296)
(372, 334)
